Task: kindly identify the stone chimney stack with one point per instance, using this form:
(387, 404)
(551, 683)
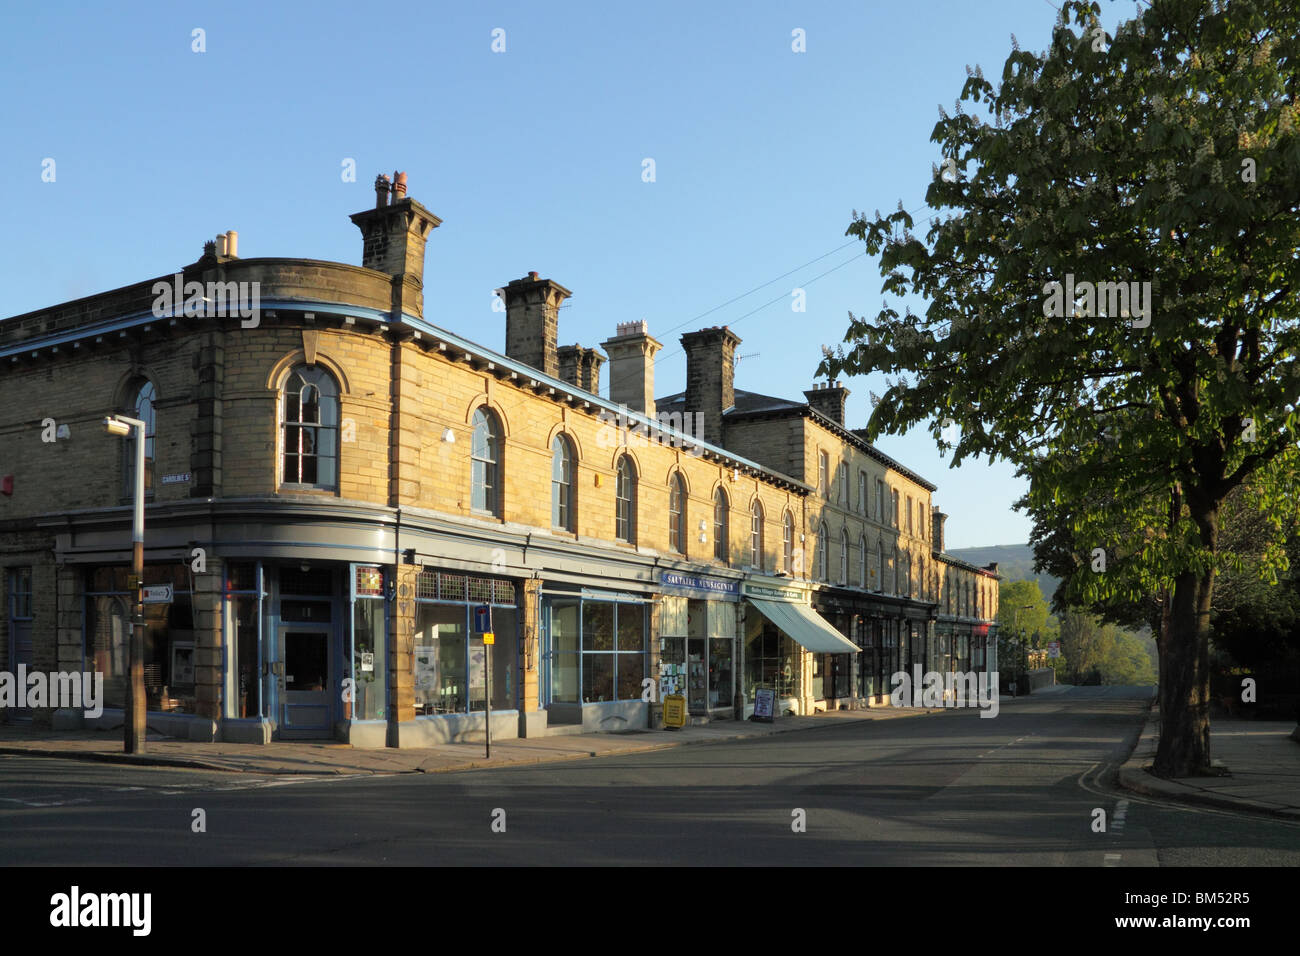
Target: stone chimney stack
(393, 235)
(829, 398)
(632, 367)
(532, 321)
(938, 519)
(710, 376)
(580, 367)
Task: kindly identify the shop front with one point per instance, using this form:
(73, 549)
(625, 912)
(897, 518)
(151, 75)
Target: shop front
(594, 649)
(274, 651)
(697, 654)
(787, 644)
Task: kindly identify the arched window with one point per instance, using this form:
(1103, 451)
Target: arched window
(309, 419)
(720, 526)
(823, 554)
(625, 504)
(562, 516)
(756, 535)
(862, 559)
(787, 542)
(844, 557)
(677, 514)
(142, 400)
(485, 460)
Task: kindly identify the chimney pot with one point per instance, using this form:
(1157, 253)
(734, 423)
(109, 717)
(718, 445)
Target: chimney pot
(222, 244)
(381, 191)
(232, 244)
(399, 186)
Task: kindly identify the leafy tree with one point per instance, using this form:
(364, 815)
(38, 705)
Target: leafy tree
(1167, 153)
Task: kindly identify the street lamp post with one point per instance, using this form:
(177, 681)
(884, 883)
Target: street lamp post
(133, 728)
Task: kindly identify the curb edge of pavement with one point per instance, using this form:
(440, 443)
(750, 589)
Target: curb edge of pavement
(188, 763)
(1133, 776)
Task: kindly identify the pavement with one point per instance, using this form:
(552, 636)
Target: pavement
(325, 758)
(1261, 760)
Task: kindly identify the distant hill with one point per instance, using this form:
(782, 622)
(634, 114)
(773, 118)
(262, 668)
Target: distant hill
(1015, 563)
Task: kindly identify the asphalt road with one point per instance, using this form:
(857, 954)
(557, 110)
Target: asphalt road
(949, 788)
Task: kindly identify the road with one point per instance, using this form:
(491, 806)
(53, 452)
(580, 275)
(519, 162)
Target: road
(949, 788)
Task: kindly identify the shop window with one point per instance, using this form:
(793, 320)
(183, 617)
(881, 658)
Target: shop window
(625, 503)
(677, 514)
(450, 659)
(756, 536)
(369, 646)
(771, 659)
(170, 641)
(720, 524)
(485, 457)
(143, 398)
(309, 421)
(562, 485)
(243, 614)
(597, 647)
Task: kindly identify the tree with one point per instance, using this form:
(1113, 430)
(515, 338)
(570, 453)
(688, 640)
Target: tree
(1111, 283)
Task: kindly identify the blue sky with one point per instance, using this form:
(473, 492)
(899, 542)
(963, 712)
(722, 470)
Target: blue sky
(532, 157)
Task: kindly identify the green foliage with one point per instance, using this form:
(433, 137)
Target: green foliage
(1166, 153)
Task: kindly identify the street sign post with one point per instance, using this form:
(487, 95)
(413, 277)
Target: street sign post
(483, 625)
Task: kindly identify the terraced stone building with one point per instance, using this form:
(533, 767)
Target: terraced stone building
(336, 486)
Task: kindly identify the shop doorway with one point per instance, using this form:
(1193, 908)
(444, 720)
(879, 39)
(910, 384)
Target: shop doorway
(306, 684)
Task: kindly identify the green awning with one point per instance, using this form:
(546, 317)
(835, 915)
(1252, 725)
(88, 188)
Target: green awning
(806, 627)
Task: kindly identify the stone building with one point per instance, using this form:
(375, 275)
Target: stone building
(335, 485)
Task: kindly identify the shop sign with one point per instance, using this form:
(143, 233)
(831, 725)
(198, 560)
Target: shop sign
(674, 711)
(693, 582)
(764, 704)
(771, 592)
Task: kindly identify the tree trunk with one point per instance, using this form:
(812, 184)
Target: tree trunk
(1184, 693)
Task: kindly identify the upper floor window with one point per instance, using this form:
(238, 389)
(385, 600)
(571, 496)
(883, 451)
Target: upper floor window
(310, 423)
(823, 466)
(142, 401)
(909, 514)
(20, 594)
(562, 484)
(625, 503)
(756, 536)
(862, 558)
(896, 563)
(677, 514)
(844, 557)
(879, 583)
(485, 463)
(823, 560)
(720, 537)
(880, 501)
(842, 496)
(894, 497)
(787, 542)
(862, 492)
